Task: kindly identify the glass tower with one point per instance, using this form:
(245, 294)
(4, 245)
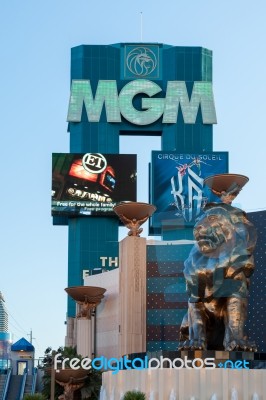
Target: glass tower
(3, 315)
(94, 239)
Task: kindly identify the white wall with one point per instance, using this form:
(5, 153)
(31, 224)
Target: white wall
(107, 326)
(185, 384)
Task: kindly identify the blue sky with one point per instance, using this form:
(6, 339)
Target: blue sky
(36, 38)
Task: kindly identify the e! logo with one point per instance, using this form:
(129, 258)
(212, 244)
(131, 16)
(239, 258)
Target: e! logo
(94, 163)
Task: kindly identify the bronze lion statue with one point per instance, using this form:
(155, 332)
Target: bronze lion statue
(217, 274)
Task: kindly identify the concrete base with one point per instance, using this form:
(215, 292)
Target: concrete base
(69, 339)
(84, 337)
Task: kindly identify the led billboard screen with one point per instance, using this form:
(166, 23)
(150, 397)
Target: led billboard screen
(92, 183)
(177, 188)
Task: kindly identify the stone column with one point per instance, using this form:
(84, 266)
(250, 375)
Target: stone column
(69, 339)
(132, 295)
(84, 337)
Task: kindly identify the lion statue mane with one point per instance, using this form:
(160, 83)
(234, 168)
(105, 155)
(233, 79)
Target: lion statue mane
(217, 274)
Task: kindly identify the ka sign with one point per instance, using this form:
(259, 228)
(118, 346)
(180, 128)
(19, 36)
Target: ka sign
(152, 108)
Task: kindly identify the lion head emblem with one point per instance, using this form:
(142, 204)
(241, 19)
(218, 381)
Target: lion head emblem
(141, 61)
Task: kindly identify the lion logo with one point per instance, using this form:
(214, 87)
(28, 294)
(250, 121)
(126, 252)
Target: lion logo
(141, 61)
(217, 274)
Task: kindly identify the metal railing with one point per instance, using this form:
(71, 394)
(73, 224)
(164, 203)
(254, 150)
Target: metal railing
(22, 387)
(8, 376)
(34, 380)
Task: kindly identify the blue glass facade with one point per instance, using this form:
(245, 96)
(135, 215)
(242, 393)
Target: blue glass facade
(166, 295)
(256, 323)
(5, 348)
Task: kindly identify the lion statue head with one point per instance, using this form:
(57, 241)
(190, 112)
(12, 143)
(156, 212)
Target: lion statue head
(225, 241)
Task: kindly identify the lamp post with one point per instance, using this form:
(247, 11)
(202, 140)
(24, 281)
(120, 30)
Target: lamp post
(87, 299)
(52, 377)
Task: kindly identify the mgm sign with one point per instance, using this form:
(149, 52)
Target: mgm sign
(152, 108)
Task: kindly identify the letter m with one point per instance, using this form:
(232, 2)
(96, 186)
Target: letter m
(202, 95)
(81, 93)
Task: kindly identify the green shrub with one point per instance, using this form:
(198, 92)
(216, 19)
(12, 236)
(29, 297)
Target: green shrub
(134, 395)
(36, 396)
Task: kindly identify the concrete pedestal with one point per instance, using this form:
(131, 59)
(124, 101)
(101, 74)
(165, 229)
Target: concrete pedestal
(84, 337)
(132, 295)
(69, 339)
